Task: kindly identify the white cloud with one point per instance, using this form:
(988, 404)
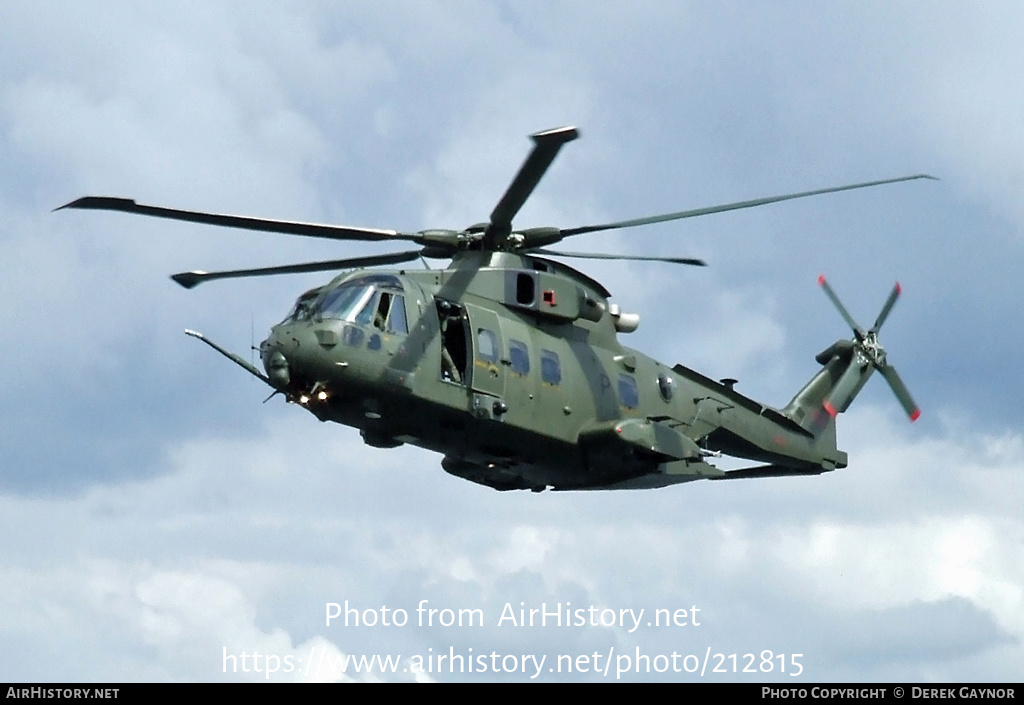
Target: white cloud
(249, 518)
(206, 558)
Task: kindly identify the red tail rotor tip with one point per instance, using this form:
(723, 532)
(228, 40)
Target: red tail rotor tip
(915, 414)
(830, 409)
(899, 289)
(821, 279)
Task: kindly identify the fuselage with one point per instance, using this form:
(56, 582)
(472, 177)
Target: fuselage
(510, 366)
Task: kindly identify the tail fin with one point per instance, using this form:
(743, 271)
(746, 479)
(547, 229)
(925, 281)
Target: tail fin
(846, 367)
(832, 389)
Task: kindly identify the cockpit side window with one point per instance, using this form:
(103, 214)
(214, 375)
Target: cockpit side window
(380, 317)
(366, 311)
(385, 312)
(397, 321)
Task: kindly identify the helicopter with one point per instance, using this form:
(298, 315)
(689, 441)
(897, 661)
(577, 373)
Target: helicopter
(508, 362)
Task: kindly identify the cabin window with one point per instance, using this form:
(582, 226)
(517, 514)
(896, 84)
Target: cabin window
(550, 367)
(628, 394)
(486, 345)
(519, 357)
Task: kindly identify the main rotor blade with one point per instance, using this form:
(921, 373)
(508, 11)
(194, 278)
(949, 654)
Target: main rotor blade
(331, 232)
(842, 309)
(901, 392)
(731, 206)
(884, 313)
(546, 146)
(193, 279)
(598, 255)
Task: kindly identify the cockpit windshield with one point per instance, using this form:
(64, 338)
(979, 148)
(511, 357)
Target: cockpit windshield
(375, 300)
(303, 307)
(344, 301)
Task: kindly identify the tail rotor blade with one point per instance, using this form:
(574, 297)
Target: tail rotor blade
(866, 350)
(887, 307)
(842, 309)
(841, 393)
(901, 392)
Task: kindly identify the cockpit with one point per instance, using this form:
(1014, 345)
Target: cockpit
(303, 307)
(374, 300)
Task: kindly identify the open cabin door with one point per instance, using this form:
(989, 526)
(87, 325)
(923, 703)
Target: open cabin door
(486, 346)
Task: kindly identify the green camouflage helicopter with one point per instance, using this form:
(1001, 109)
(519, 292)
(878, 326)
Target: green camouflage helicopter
(508, 362)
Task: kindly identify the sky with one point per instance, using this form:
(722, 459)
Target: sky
(160, 524)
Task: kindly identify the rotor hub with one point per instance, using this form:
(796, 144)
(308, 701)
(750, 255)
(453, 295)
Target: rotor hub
(872, 349)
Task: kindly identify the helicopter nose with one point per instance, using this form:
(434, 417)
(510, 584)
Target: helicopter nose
(276, 365)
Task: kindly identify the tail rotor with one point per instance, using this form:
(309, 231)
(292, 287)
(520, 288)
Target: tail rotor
(867, 351)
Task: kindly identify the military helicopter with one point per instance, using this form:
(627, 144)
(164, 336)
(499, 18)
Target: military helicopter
(508, 361)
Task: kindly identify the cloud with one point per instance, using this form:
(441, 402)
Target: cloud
(174, 570)
(158, 518)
